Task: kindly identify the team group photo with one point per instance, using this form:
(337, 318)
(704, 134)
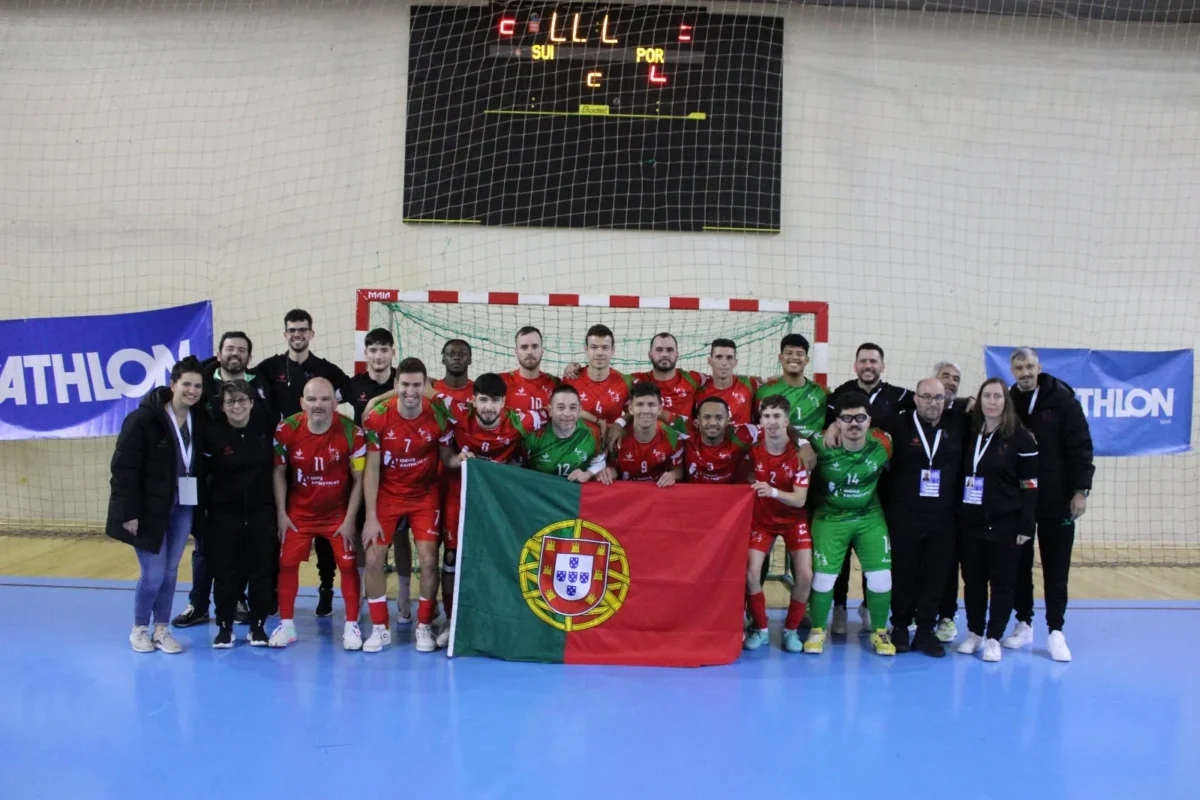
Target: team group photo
(493, 398)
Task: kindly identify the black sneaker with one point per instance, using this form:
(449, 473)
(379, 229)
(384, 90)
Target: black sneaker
(925, 642)
(190, 616)
(325, 603)
(900, 639)
(242, 615)
(224, 638)
(257, 637)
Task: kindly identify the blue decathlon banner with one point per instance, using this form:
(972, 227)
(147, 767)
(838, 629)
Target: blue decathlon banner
(1136, 403)
(64, 377)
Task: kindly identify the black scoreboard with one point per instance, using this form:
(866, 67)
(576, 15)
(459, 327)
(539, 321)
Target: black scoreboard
(592, 116)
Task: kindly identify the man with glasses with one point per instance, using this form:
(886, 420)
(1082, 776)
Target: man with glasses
(849, 516)
(287, 374)
(919, 501)
(233, 357)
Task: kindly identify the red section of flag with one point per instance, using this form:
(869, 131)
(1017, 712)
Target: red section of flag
(686, 553)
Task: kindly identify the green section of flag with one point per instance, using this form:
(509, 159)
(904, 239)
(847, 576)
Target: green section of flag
(504, 508)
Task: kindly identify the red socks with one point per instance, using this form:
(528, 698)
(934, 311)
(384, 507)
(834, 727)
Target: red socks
(758, 609)
(379, 611)
(426, 611)
(351, 591)
(289, 585)
(795, 615)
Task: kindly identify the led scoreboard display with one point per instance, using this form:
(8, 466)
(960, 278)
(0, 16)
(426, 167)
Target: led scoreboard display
(594, 116)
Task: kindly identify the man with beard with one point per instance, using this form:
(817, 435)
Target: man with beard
(528, 387)
(884, 402)
(286, 375)
(676, 386)
(950, 376)
(233, 356)
(920, 501)
(1048, 408)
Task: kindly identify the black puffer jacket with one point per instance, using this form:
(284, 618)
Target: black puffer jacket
(144, 471)
(1064, 443)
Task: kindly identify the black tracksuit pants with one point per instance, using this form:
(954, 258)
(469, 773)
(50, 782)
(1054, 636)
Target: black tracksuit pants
(948, 606)
(243, 550)
(922, 547)
(989, 564)
(326, 563)
(1055, 539)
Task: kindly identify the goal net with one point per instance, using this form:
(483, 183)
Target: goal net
(944, 177)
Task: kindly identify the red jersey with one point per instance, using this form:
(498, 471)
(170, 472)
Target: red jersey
(785, 473)
(528, 395)
(678, 391)
(646, 462)
(500, 443)
(408, 448)
(718, 463)
(455, 400)
(739, 396)
(319, 467)
(604, 399)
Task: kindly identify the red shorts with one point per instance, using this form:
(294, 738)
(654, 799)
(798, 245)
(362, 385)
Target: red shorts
(795, 536)
(451, 506)
(297, 546)
(422, 518)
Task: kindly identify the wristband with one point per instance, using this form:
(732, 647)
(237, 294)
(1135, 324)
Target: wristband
(620, 421)
(774, 492)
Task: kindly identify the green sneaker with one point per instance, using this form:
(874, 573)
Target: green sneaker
(946, 630)
(792, 642)
(755, 639)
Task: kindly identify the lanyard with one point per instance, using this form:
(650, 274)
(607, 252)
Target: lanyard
(925, 442)
(980, 451)
(185, 451)
(1033, 400)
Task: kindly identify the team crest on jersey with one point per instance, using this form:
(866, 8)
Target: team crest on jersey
(298, 454)
(614, 394)
(573, 574)
(426, 435)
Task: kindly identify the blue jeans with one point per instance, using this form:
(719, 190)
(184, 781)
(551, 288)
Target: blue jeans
(155, 590)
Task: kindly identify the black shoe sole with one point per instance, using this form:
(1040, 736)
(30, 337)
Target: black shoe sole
(192, 622)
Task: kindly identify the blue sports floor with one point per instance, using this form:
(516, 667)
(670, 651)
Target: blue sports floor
(82, 716)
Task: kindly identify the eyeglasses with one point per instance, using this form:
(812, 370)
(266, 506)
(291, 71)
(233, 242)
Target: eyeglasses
(859, 418)
(241, 401)
(932, 398)
(291, 331)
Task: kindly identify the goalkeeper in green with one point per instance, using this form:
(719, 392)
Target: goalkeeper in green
(849, 515)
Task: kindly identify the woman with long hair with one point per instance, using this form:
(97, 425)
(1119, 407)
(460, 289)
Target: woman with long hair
(997, 514)
(156, 477)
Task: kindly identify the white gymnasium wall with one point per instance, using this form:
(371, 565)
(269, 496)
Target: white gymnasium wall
(949, 181)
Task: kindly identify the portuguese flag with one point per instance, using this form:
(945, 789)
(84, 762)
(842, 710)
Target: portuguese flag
(554, 571)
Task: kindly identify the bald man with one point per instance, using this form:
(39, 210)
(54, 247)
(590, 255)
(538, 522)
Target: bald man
(319, 461)
(919, 503)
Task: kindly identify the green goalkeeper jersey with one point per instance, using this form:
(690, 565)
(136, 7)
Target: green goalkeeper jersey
(807, 402)
(546, 452)
(848, 480)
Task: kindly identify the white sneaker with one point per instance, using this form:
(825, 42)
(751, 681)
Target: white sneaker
(1057, 645)
(864, 616)
(352, 637)
(443, 637)
(163, 640)
(380, 638)
(426, 643)
(139, 637)
(970, 644)
(991, 650)
(946, 630)
(1022, 635)
(838, 626)
(284, 635)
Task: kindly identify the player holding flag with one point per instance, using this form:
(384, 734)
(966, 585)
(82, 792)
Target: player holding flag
(718, 453)
(319, 458)
(781, 483)
(649, 450)
(405, 436)
(569, 446)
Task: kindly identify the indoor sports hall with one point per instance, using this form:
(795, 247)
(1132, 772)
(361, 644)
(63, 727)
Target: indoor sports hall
(949, 181)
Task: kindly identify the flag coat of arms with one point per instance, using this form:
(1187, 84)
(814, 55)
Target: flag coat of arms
(554, 571)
